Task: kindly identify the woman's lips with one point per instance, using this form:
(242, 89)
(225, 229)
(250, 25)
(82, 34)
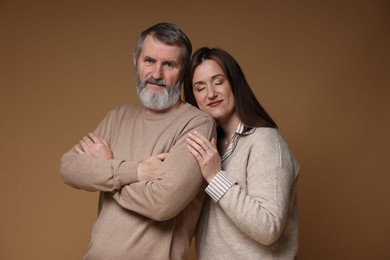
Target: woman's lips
(214, 103)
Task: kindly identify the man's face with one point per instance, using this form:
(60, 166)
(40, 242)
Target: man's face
(157, 74)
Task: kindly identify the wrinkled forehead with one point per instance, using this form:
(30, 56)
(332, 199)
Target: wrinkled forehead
(156, 49)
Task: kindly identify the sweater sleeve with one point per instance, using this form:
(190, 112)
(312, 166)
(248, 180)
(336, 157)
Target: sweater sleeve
(261, 210)
(179, 182)
(82, 171)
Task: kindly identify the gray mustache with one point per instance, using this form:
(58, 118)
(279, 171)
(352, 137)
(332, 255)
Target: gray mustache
(160, 82)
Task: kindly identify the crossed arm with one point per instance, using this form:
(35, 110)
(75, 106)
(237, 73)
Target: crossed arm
(157, 187)
(98, 147)
(202, 149)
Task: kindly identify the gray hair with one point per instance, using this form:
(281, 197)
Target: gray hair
(169, 34)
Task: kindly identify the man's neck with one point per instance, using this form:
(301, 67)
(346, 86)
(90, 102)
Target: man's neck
(178, 104)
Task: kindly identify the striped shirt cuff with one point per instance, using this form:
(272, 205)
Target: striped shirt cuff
(219, 185)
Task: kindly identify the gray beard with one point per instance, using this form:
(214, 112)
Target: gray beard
(168, 98)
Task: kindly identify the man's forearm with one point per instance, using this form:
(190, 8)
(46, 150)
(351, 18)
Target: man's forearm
(82, 171)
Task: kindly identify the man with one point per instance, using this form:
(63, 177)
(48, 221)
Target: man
(141, 219)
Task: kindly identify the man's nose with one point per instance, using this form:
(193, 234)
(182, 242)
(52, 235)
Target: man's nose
(157, 73)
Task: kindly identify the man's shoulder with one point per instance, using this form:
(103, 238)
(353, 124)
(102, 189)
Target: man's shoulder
(125, 108)
(193, 111)
(189, 113)
(191, 116)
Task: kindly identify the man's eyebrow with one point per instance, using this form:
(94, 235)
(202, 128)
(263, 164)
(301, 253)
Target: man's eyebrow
(174, 62)
(149, 58)
(171, 61)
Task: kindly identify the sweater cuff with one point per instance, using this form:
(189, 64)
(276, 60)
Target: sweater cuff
(219, 185)
(126, 173)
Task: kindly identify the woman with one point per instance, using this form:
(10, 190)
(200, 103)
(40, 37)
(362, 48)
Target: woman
(251, 210)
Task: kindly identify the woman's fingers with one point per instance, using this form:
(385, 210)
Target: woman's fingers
(206, 153)
(214, 142)
(195, 145)
(195, 153)
(201, 141)
(209, 145)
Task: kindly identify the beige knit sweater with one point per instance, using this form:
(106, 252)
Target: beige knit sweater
(138, 219)
(257, 218)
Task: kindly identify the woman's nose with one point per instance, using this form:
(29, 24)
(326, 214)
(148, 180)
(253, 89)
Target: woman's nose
(212, 93)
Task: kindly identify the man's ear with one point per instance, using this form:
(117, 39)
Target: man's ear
(134, 59)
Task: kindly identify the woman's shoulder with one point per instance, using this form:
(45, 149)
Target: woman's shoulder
(268, 138)
(266, 133)
(270, 141)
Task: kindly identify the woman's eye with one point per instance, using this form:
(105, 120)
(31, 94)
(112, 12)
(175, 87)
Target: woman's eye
(199, 88)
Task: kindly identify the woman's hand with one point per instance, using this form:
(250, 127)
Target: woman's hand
(206, 154)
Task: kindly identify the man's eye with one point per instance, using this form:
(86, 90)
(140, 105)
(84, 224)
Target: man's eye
(170, 65)
(148, 61)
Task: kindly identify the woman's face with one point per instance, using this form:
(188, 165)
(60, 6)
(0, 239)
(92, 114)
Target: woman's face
(212, 91)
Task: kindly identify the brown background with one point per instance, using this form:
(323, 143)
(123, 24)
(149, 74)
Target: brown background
(321, 69)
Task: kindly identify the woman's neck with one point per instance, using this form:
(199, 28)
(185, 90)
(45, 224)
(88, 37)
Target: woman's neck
(228, 128)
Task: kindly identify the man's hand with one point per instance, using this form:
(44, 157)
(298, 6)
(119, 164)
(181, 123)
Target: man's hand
(95, 146)
(150, 168)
